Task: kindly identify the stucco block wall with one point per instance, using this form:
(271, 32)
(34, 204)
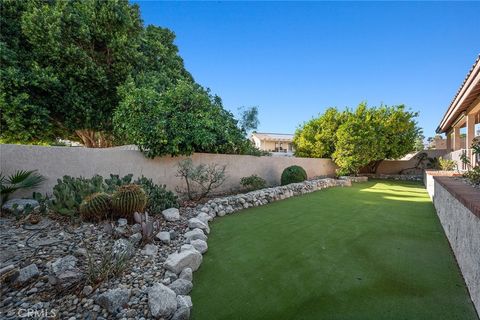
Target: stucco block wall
(395, 166)
(55, 162)
(462, 229)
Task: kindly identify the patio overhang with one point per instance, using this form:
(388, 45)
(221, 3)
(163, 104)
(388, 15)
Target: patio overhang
(465, 103)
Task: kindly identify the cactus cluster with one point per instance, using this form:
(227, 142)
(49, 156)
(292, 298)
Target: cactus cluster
(128, 199)
(96, 207)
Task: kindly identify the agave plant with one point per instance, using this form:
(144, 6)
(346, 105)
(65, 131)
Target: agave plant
(21, 179)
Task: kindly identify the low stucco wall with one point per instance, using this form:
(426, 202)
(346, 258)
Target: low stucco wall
(395, 166)
(462, 229)
(428, 180)
(55, 162)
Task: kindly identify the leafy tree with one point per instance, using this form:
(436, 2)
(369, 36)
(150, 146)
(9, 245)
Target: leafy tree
(89, 70)
(182, 120)
(249, 118)
(419, 146)
(359, 138)
(63, 61)
(316, 138)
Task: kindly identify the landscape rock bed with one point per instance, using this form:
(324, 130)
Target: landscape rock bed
(397, 177)
(44, 267)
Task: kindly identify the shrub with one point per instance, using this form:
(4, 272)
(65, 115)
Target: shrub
(446, 165)
(200, 180)
(293, 174)
(159, 198)
(69, 193)
(473, 175)
(96, 207)
(253, 182)
(115, 181)
(128, 199)
(21, 179)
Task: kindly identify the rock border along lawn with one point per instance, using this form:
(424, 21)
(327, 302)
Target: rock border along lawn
(181, 264)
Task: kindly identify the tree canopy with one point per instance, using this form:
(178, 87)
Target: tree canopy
(358, 138)
(91, 71)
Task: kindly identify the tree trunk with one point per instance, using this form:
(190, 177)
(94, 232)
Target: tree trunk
(94, 139)
(373, 166)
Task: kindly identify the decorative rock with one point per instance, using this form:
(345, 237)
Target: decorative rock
(163, 236)
(135, 238)
(176, 262)
(122, 222)
(122, 247)
(19, 204)
(205, 218)
(136, 228)
(184, 302)
(171, 214)
(197, 223)
(27, 273)
(64, 264)
(87, 290)
(181, 314)
(186, 274)
(150, 250)
(162, 301)
(195, 234)
(6, 269)
(170, 275)
(186, 247)
(181, 286)
(199, 245)
(113, 300)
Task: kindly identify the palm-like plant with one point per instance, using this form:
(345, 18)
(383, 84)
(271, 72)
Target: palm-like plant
(21, 179)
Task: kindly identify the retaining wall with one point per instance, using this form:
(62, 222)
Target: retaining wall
(458, 208)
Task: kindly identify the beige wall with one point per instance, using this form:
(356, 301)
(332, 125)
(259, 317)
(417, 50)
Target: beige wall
(395, 166)
(55, 162)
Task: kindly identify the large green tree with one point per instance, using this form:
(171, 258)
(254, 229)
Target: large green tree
(63, 61)
(359, 138)
(316, 138)
(179, 121)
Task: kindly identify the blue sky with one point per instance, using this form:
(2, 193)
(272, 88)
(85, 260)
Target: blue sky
(295, 59)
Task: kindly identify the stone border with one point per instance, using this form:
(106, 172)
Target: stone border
(354, 179)
(396, 177)
(180, 265)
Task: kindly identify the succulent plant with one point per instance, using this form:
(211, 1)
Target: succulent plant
(96, 207)
(149, 228)
(128, 199)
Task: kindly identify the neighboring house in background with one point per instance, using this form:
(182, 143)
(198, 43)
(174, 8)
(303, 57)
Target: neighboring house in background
(439, 143)
(463, 112)
(277, 143)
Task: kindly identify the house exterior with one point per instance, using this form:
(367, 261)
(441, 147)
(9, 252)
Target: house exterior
(280, 144)
(462, 118)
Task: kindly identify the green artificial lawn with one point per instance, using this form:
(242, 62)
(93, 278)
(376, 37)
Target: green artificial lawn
(372, 251)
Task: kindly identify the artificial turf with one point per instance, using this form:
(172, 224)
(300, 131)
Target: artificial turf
(372, 251)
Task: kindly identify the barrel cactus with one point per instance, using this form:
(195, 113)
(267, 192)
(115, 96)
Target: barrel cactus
(96, 207)
(128, 199)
